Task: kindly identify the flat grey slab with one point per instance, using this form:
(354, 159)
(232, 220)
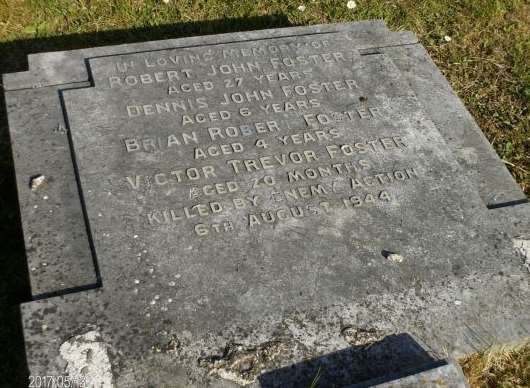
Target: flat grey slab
(50, 268)
(57, 245)
(52, 235)
(453, 316)
(217, 249)
(216, 177)
(260, 296)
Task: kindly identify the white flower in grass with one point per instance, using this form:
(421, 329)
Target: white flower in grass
(301, 8)
(447, 38)
(165, 1)
(351, 4)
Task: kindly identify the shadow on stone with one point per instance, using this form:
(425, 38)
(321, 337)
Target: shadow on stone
(14, 279)
(393, 357)
(14, 54)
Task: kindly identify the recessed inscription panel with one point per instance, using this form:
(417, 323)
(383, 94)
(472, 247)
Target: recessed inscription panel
(223, 179)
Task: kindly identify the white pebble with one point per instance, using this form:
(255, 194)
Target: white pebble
(395, 258)
(157, 297)
(172, 284)
(136, 281)
(37, 182)
(458, 302)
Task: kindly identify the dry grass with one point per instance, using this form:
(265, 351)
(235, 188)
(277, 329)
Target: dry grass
(506, 366)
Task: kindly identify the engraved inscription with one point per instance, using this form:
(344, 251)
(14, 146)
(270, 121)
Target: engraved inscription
(244, 136)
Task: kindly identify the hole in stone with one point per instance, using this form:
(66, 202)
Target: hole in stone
(392, 256)
(386, 253)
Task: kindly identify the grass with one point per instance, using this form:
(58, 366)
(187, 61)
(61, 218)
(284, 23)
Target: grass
(486, 60)
(500, 366)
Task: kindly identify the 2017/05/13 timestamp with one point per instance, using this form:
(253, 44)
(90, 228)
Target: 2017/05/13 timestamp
(57, 381)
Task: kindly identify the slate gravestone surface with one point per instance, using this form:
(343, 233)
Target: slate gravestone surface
(59, 256)
(246, 201)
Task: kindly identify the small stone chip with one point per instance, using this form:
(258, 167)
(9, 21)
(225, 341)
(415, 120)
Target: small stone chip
(37, 181)
(395, 258)
(522, 246)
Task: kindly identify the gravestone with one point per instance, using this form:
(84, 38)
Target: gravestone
(238, 203)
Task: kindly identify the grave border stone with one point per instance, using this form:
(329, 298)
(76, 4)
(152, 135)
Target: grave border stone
(38, 324)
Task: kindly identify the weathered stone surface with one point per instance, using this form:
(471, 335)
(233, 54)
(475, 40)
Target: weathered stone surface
(39, 89)
(480, 162)
(68, 69)
(224, 258)
(57, 245)
(64, 271)
(161, 194)
(453, 316)
(258, 293)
